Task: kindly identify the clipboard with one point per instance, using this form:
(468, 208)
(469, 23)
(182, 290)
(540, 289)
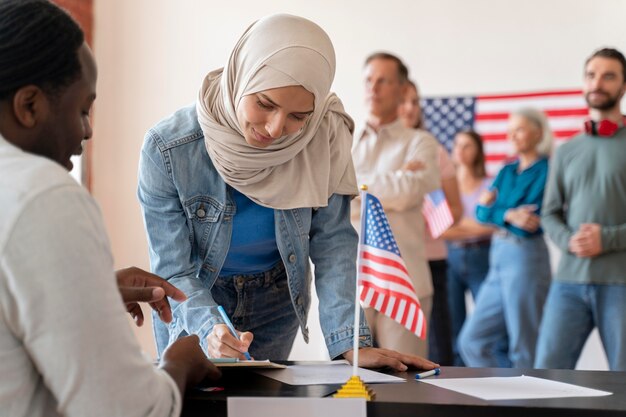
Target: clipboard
(238, 363)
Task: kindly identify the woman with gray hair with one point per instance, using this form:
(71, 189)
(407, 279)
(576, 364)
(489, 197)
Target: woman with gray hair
(510, 302)
(538, 119)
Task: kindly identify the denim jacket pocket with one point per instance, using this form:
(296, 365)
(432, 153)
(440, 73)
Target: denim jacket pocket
(203, 213)
(202, 209)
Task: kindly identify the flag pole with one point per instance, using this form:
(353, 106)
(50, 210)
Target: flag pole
(357, 304)
(355, 388)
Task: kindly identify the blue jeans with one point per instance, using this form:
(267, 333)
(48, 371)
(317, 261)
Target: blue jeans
(467, 268)
(572, 311)
(260, 303)
(509, 305)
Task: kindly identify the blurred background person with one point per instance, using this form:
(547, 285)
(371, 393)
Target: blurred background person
(439, 328)
(510, 302)
(468, 241)
(584, 216)
(386, 156)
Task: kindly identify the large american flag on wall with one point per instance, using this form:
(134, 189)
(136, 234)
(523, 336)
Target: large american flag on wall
(488, 115)
(384, 282)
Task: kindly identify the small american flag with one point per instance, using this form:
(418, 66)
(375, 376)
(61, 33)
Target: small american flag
(437, 213)
(384, 282)
(566, 111)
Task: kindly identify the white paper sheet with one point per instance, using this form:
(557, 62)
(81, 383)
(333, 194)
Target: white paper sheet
(513, 388)
(301, 407)
(325, 374)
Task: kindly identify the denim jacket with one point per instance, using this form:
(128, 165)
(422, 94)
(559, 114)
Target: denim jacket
(188, 211)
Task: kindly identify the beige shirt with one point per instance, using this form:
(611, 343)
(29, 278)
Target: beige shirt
(66, 347)
(378, 160)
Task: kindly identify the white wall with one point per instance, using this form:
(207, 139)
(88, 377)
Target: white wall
(153, 54)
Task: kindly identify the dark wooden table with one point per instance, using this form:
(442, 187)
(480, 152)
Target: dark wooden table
(415, 399)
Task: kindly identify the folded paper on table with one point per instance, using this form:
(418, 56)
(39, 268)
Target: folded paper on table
(325, 374)
(513, 388)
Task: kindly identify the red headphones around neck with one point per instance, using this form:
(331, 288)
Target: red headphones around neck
(604, 128)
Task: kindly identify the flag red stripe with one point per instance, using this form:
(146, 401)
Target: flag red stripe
(404, 320)
(394, 310)
(387, 292)
(417, 319)
(550, 113)
(362, 296)
(496, 157)
(526, 95)
(387, 277)
(383, 307)
(374, 299)
(556, 133)
(384, 261)
(405, 314)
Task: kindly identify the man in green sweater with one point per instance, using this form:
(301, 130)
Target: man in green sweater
(584, 214)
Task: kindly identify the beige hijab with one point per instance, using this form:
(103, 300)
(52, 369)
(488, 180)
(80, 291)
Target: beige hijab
(299, 170)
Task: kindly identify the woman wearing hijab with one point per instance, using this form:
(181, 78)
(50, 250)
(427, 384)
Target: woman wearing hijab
(241, 190)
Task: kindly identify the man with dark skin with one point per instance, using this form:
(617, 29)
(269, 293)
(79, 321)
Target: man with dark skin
(64, 344)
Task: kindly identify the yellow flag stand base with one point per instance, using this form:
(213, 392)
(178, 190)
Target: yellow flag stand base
(355, 388)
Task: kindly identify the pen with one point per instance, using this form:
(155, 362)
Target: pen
(231, 328)
(432, 372)
(224, 360)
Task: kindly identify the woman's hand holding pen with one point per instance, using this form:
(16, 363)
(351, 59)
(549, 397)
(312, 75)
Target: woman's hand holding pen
(379, 358)
(222, 344)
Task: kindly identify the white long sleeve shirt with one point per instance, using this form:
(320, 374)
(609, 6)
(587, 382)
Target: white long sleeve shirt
(378, 161)
(66, 348)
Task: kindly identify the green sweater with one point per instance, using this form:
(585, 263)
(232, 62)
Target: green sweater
(587, 184)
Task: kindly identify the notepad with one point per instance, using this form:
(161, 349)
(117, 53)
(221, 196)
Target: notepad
(238, 363)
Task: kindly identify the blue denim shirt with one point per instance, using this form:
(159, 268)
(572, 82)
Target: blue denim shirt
(188, 212)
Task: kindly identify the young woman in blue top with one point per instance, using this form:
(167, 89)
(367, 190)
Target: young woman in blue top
(241, 190)
(510, 302)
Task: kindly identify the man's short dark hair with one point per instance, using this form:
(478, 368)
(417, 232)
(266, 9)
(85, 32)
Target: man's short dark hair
(610, 53)
(403, 71)
(39, 45)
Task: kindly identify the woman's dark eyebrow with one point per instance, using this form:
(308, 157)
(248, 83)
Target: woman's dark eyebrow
(277, 105)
